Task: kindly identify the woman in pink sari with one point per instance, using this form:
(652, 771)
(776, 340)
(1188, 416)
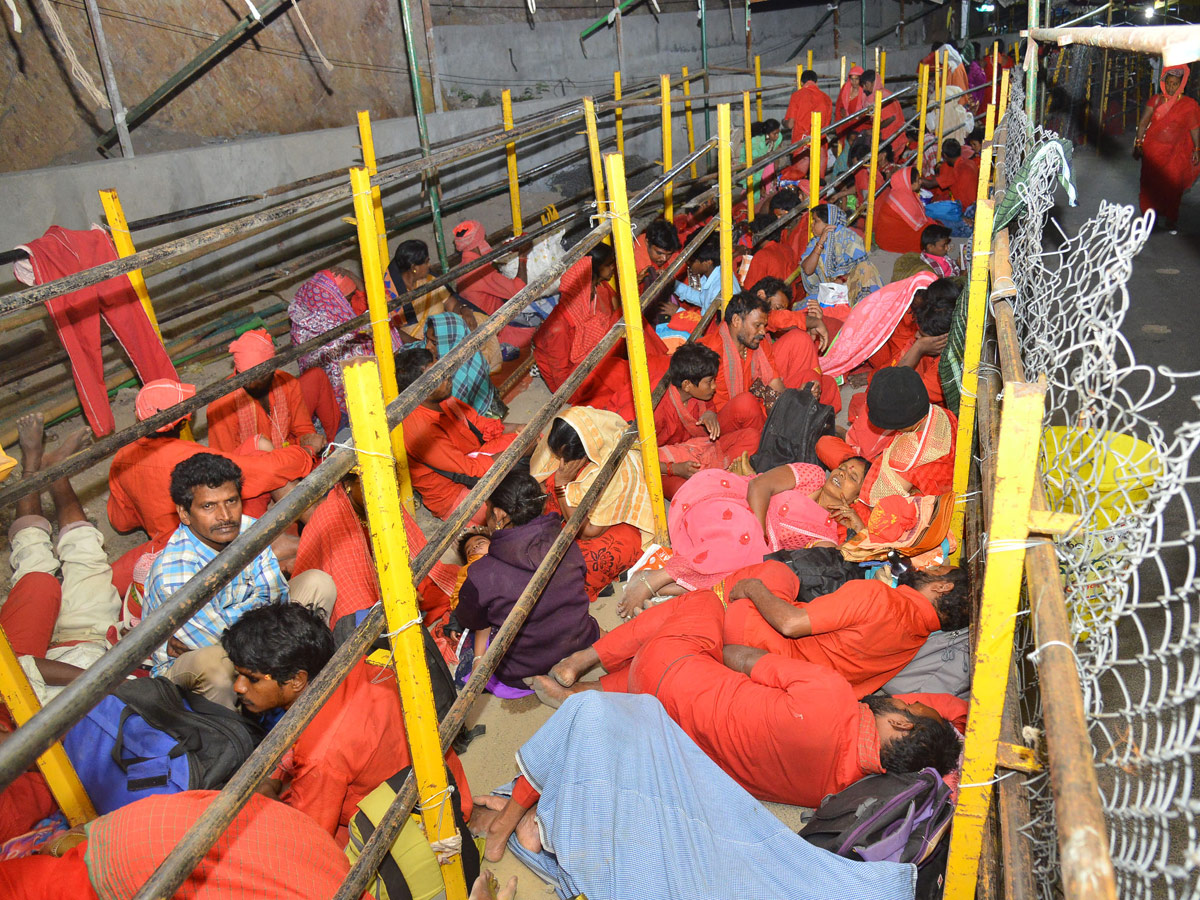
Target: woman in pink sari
(720, 522)
(1168, 142)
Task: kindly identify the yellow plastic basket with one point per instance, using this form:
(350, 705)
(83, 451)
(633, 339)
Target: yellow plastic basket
(1107, 472)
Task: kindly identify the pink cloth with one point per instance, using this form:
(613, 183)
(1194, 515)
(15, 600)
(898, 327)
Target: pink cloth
(869, 324)
(713, 532)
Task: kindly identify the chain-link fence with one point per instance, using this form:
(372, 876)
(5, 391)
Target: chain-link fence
(1130, 569)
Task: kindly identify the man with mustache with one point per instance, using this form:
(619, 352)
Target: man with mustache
(206, 490)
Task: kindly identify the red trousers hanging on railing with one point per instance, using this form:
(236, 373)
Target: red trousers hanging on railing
(76, 316)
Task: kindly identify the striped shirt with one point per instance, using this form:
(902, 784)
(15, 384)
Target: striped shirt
(258, 584)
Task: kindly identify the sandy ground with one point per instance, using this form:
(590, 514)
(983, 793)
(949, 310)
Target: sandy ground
(490, 760)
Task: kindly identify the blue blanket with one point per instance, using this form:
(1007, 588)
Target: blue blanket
(632, 808)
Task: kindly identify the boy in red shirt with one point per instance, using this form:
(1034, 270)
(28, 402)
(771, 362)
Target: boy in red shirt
(355, 743)
(956, 178)
(692, 434)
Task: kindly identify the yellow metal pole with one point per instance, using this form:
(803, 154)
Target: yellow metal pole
(368, 423)
(842, 78)
(874, 176)
(882, 67)
(54, 764)
(381, 328)
(510, 152)
(808, 62)
(1016, 53)
(1020, 437)
(725, 202)
(942, 106)
(876, 62)
(618, 113)
(923, 108)
(799, 73)
(1004, 91)
(635, 342)
(368, 154)
(124, 244)
(749, 156)
(814, 168)
(977, 300)
(758, 85)
(589, 118)
(687, 118)
(664, 82)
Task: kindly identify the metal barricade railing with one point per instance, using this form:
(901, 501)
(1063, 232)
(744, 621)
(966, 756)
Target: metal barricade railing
(43, 729)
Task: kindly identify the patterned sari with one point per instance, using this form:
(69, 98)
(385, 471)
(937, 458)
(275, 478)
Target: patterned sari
(318, 306)
(843, 257)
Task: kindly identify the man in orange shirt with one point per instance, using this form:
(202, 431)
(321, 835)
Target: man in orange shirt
(139, 477)
(772, 258)
(803, 103)
(956, 178)
(449, 445)
(797, 336)
(891, 116)
(865, 630)
(272, 407)
(745, 350)
(921, 335)
(785, 730)
(355, 743)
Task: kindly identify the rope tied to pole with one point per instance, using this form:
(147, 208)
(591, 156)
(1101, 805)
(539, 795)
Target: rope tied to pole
(304, 23)
(78, 72)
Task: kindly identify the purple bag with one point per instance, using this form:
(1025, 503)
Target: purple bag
(894, 818)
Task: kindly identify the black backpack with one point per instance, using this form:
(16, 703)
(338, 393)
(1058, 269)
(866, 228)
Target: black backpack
(821, 570)
(797, 420)
(151, 736)
(892, 817)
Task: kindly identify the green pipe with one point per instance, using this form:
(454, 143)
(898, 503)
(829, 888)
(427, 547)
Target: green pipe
(431, 180)
(1031, 66)
(199, 62)
(603, 20)
(704, 66)
(862, 33)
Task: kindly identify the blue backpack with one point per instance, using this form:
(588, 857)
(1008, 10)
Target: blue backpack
(153, 737)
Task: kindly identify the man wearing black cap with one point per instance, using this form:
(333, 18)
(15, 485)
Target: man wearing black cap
(909, 441)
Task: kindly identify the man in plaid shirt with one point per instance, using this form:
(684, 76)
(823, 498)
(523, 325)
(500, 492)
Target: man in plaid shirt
(206, 490)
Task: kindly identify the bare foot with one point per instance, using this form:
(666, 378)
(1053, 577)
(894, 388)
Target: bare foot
(567, 671)
(527, 832)
(487, 887)
(554, 694)
(70, 445)
(30, 435)
(494, 817)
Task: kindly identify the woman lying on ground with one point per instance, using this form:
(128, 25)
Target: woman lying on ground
(621, 523)
(720, 522)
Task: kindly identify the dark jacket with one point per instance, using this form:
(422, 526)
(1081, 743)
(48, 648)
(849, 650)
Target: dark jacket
(559, 623)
